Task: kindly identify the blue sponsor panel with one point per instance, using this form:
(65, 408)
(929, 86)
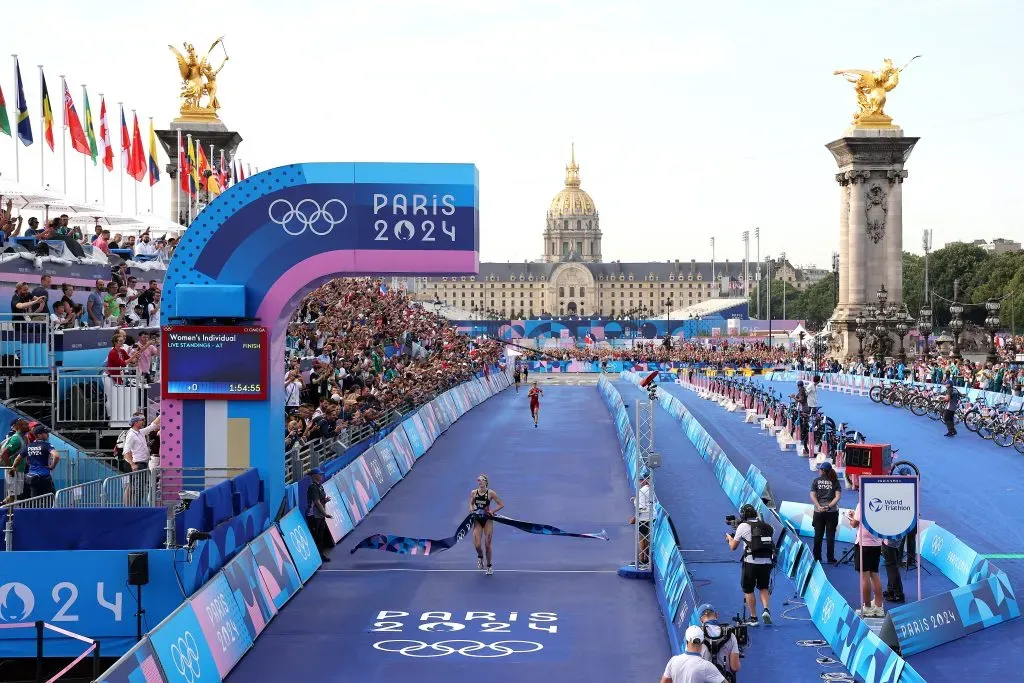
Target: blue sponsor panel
(340, 522)
(138, 665)
(953, 557)
(416, 434)
(300, 543)
(375, 467)
(662, 544)
(182, 650)
(222, 625)
(430, 424)
(249, 591)
(83, 590)
(226, 540)
(673, 583)
(804, 567)
(275, 566)
(789, 553)
(405, 454)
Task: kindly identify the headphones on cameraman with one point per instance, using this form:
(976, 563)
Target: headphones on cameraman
(748, 511)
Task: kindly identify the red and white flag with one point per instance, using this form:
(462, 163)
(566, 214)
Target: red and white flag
(107, 151)
(126, 142)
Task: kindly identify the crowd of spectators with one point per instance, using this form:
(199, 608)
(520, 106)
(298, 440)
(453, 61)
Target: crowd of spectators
(120, 302)
(357, 352)
(145, 246)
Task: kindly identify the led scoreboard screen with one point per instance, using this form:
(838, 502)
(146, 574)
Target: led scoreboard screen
(215, 363)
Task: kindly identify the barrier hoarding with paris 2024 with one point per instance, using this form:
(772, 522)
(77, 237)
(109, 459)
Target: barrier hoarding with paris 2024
(216, 363)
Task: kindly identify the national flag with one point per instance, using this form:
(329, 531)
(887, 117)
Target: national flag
(206, 178)
(184, 170)
(383, 288)
(193, 171)
(224, 175)
(137, 158)
(24, 123)
(241, 171)
(5, 123)
(79, 142)
(126, 142)
(154, 171)
(90, 131)
(108, 150)
(47, 113)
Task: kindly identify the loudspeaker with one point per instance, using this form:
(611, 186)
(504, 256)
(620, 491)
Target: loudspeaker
(138, 569)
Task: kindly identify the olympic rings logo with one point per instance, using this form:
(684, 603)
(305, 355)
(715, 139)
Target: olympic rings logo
(826, 610)
(300, 543)
(936, 545)
(185, 655)
(307, 214)
(469, 648)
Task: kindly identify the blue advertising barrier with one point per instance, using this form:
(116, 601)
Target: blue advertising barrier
(863, 653)
(983, 597)
(205, 637)
(677, 598)
(300, 544)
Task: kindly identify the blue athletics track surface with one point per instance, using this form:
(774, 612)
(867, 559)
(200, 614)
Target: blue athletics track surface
(557, 600)
(687, 487)
(972, 488)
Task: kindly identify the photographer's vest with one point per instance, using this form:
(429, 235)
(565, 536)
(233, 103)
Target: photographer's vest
(762, 545)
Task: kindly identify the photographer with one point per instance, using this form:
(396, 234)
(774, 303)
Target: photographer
(720, 644)
(690, 667)
(758, 557)
(825, 495)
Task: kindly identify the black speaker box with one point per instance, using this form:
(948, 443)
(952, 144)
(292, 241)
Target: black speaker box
(138, 569)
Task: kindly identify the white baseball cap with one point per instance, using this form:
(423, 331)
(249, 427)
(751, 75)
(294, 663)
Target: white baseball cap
(695, 634)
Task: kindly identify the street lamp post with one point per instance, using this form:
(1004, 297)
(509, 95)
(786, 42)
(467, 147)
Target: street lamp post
(902, 328)
(956, 324)
(861, 332)
(925, 327)
(992, 324)
(801, 335)
(668, 324)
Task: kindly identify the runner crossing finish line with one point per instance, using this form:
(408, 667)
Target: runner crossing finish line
(403, 545)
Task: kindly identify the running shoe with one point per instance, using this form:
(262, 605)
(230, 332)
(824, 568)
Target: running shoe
(766, 617)
(490, 571)
(878, 611)
(479, 563)
(752, 621)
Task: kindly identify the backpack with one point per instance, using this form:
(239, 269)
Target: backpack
(762, 543)
(119, 446)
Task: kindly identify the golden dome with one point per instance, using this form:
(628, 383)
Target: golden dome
(572, 201)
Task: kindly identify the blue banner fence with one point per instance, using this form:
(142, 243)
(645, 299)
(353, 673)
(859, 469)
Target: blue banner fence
(220, 622)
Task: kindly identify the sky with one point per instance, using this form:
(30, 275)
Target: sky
(690, 120)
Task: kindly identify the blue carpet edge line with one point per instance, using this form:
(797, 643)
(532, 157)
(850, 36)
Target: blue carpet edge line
(132, 661)
(675, 620)
(861, 649)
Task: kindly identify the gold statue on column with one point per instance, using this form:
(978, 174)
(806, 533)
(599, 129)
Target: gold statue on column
(199, 79)
(871, 88)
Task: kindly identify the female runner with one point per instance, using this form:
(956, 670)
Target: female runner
(535, 394)
(480, 500)
(517, 376)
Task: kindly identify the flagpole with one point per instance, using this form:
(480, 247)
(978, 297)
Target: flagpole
(199, 174)
(135, 187)
(64, 136)
(42, 132)
(177, 162)
(209, 195)
(220, 175)
(103, 176)
(85, 157)
(120, 176)
(14, 137)
(151, 183)
(189, 135)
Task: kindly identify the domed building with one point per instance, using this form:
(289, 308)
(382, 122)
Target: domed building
(571, 278)
(573, 227)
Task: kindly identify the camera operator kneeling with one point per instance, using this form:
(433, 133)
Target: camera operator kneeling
(758, 557)
(721, 646)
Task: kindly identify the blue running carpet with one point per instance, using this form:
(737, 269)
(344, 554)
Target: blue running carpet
(970, 487)
(554, 609)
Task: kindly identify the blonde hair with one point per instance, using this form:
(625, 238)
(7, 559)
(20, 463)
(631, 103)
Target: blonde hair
(486, 480)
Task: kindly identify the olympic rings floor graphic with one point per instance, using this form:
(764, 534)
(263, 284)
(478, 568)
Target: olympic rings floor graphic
(469, 648)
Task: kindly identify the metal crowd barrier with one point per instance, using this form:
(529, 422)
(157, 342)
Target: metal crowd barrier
(131, 490)
(26, 342)
(305, 456)
(83, 469)
(88, 495)
(98, 395)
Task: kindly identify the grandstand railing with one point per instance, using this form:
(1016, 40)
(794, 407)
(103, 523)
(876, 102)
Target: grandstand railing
(26, 342)
(83, 469)
(98, 396)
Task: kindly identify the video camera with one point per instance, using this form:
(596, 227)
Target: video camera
(732, 521)
(737, 629)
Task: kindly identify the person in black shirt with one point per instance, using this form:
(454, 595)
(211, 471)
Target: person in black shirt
(949, 414)
(825, 494)
(316, 511)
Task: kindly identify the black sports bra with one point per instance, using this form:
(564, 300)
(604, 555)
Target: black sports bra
(481, 500)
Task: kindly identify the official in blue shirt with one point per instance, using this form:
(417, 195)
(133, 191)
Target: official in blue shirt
(42, 459)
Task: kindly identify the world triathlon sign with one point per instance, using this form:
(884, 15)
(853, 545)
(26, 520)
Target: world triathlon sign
(251, 255)
(889, 505)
